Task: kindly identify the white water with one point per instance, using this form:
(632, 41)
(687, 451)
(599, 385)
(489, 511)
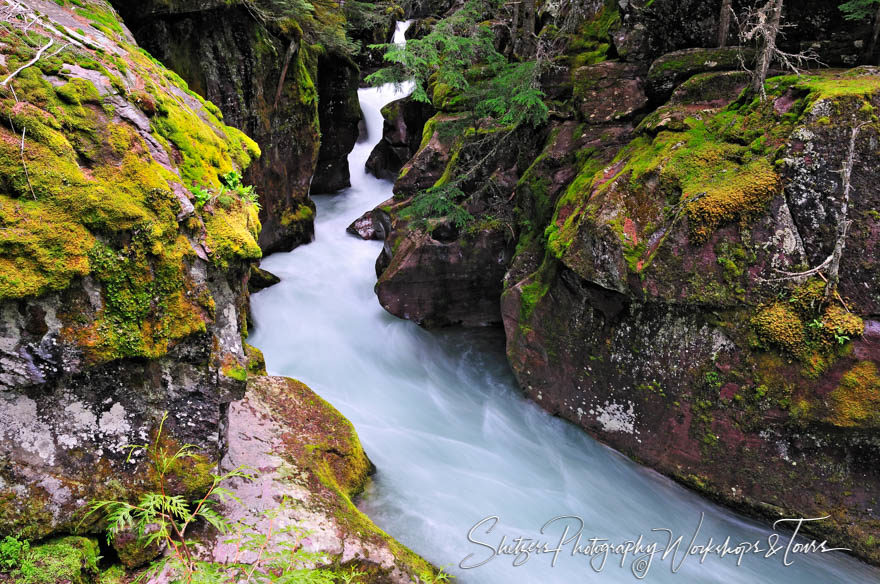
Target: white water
(452, 438)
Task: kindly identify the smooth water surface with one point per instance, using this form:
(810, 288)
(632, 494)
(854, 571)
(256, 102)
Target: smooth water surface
(453, 439)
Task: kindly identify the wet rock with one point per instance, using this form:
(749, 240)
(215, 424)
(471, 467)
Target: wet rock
(404, 122)
(339, 115)
(437, 283)
(284, 430)
(370, 225)
(423, 169)
(260, 279)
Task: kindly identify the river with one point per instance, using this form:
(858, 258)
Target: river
(454, 441)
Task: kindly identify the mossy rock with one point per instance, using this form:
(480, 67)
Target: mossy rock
(668, 71)
(70, 560)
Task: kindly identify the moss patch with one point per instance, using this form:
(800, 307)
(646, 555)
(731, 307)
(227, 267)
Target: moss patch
(856, 400)
(73, 560)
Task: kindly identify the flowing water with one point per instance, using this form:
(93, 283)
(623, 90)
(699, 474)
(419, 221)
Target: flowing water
(454, 441)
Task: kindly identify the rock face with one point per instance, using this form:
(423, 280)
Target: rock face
(448, 281)
(339, 114)
(646, 300)
(234, 60)
(401, 136)
(121, 296)
(285, 430)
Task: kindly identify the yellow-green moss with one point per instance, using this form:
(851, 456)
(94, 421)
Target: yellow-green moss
(89, 198)
(232, 234)
(780, 325)
(856, 400)
(73, 560)
(256, 363)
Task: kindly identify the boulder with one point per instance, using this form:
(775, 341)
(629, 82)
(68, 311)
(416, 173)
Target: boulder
(283, 429)
(404, 122)
(339, 115)
(670, 70)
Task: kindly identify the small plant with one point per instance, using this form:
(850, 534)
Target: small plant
(12, 551)
(203, 196)
(429, 578)
(230, 185)
(160, 518)
(438, 202)
(163, 519)
(712, 379)
(232, 180)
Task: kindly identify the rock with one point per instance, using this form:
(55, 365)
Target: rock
(229, 57)
(426, 167)
(120, 299)
(284, 430)
(666, 337)
(260, 279)
(609, 92)
(440, 283)
(668, 71)
(133, 551)
(339, 114)
(401, 136)
(373, 224)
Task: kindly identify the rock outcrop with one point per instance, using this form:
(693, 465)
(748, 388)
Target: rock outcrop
(656, 216)
(121, 293)
(282, 428)
(404, 123)
(339, 115)
(263, 76)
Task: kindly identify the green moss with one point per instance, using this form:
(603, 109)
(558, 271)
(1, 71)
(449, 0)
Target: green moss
(856, 400)
(232, 234)
(593, 39)
(79, 91)
(94, 201)
(303, 213)
(236, 372)
(73, 560)
(256, 363)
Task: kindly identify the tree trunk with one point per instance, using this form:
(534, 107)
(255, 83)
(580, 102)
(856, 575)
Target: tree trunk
(514, 29)
(529, 26)
(291, 49)
(843, 221)
(876, 34)
(773, 13)
(724, 23)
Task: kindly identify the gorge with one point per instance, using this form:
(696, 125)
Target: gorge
(585, 262)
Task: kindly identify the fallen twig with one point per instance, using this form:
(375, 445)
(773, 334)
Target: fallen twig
(36, 58)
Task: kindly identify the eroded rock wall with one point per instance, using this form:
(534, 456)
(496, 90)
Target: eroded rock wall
(655, 216)
(122, 295)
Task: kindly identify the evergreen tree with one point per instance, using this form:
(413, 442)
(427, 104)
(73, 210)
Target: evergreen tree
(459, 56)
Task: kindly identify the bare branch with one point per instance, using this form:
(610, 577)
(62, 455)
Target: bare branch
(36, 58)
